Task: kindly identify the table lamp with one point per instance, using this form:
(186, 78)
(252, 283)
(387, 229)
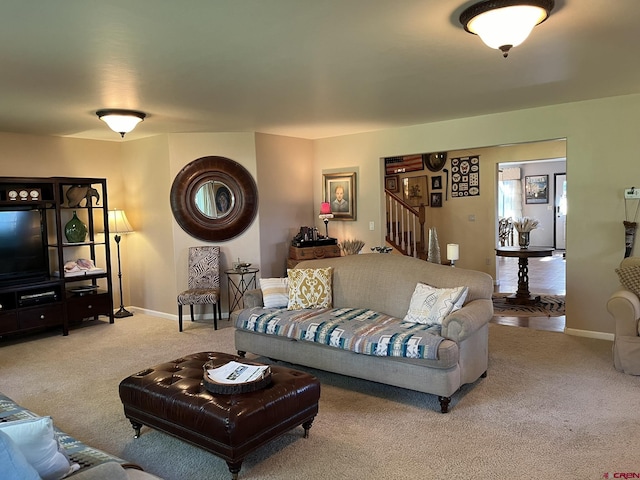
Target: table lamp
(453, 253)
(325, 215)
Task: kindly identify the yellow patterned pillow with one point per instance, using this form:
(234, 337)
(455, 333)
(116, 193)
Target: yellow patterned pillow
(309, 288)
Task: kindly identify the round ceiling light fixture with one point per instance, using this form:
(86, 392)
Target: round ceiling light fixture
(504, 24)
(119, 120)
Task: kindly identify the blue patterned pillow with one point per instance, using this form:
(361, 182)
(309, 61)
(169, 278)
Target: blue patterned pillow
(430, 305)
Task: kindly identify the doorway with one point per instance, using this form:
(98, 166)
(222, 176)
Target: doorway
(551, 211)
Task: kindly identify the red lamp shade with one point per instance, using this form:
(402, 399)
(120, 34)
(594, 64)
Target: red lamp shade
(325, 208)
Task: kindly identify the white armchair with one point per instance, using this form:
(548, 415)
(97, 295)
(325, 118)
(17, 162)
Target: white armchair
(624, 307)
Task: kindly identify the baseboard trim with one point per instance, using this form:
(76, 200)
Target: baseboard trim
(590, 334)
(170, 316)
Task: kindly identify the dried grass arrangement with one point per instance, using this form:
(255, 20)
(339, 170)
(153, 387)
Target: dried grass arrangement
(351, 247)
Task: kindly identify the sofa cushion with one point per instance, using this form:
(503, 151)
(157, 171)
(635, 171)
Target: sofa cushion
(630, 278)
(357, 330)
(14, 464)
(275, 292)
(35, 439)
(430, 305)
(309, 288)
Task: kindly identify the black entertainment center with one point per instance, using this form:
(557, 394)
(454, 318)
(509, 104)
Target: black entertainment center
(37, 289)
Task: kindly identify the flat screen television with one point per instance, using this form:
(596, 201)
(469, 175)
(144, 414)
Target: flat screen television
(23, 246)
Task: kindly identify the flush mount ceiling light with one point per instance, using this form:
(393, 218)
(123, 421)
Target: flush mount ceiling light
(121, 121)
(503, 24)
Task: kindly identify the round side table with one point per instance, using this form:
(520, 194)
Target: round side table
(239, 282)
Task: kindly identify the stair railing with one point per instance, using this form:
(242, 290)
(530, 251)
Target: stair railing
(405, 226)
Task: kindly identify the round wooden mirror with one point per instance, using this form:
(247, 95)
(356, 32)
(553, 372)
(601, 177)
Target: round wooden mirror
(214, 198)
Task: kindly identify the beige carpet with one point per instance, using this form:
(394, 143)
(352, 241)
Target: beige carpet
(552, 406)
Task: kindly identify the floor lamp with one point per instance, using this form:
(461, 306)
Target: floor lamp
(119, 225)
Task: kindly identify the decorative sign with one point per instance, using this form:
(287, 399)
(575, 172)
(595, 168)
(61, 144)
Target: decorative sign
(465, 176)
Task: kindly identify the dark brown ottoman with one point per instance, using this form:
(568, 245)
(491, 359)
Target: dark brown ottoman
(170, 397)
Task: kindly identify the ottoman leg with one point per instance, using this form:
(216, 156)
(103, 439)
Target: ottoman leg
(136, 427)
(307, 425)
(234, 468)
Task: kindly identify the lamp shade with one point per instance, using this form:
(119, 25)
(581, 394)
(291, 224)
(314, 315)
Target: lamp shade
(325, 208)
(118, 222)
(503, 24)
(121, 121)
(453, 251)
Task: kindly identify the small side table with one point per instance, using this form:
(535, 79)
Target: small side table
(239, 282)
(523, 296)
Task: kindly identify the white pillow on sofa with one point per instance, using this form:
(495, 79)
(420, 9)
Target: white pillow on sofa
(275, 292)
(36, 440)
(430, 305)
(13, 463)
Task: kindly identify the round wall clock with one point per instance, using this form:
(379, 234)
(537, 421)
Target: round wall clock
(436, 161)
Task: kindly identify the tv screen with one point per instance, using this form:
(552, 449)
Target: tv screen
(23, 251)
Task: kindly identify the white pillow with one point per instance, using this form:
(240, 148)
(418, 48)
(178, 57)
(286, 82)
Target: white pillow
(36, 441)
(13, 464)
(430, 305)
(275, 292)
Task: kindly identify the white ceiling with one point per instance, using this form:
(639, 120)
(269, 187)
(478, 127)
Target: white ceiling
(301, 68)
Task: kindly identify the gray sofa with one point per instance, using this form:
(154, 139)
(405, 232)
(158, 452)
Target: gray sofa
(91, 463)
(385, 283)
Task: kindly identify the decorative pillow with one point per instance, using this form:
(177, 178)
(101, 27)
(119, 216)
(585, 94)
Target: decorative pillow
(630, 278)
(430, 305)
(275, 292)
(14, 464)
(36, 441)
(309, 288)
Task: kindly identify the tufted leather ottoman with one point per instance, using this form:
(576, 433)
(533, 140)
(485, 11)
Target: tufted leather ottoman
(170, 397)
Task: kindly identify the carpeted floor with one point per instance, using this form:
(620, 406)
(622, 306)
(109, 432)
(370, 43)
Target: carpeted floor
(552, 406)
(549, 306)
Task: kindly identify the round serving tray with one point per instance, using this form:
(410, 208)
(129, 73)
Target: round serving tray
(228, 389)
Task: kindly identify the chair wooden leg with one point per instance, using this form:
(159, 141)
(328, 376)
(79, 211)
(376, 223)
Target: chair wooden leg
(179, 318)
(191, 310)
(219, 311)
(215, 317)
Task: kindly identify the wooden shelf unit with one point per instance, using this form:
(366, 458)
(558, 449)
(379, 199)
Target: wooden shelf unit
(34, 304)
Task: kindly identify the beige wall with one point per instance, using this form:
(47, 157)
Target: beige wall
(286, 197)
(599, 133)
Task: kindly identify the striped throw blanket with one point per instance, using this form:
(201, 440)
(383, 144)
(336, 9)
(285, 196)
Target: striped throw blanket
(359, 330)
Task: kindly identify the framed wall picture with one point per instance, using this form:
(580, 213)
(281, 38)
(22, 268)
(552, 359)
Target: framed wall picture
(392, 183)
(436, 199)
(414, 191)
(403, 164)
(436, 182)
(536, 189)
(339, 190)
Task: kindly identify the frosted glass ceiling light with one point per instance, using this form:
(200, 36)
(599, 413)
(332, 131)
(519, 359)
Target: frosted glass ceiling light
(503, 24)
(121, 121)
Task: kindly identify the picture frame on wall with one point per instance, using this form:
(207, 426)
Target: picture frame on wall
(392, 183)
(536, 188)
(436, 199)
(415, 191)
(339, 189)
(436, 182)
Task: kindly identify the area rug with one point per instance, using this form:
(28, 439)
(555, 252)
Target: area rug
(548, 306)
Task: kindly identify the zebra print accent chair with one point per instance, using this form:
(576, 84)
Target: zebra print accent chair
(204, 282)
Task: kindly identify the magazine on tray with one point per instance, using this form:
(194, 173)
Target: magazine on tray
(235, 372)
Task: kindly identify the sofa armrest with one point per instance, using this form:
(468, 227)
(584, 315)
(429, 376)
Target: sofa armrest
(253, 298)
(624, 307)
(463, 323)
